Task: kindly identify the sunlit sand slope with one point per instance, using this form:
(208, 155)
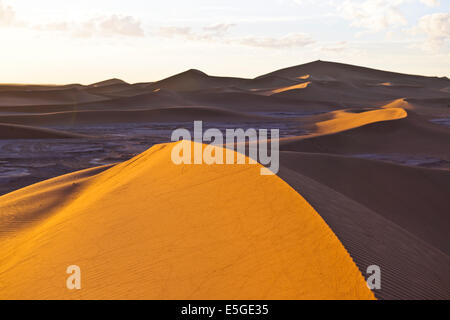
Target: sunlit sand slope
(148, 229)
(385, 131)
(343, 120)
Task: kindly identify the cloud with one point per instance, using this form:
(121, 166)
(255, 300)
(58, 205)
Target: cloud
(431, 3)
(287, 41)
(7, 15)
(335, 47)
(218, 33)
(107, 26)
(372, 15)
(219, 28)
(187, 33)
(315, 2)
(100, 26)
(120, 25)
(53, 26)
(173, 32)
(437, 28)
(208, 33)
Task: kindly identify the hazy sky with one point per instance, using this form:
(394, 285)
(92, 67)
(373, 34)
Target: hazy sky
(85, 41)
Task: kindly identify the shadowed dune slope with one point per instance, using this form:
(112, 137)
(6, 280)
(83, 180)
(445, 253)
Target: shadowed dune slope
(71, 95)
(4, 87)
(132, 116)
(268, 82)
(13, 131)
(352, 85)
(245, 101)
(148, 99)
(192, 80)
(410, 267)
(148, 229)
(327, 70)
(414, 198)
(341, 92)
(108, 83)
(308, 85)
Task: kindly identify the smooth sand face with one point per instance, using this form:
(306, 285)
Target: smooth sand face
(147, 229)
(344, 120)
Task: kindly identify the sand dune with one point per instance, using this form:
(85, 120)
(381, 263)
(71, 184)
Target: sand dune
(330, 83)
(149, 229)
(193, 80)
(329, 71)
(47, 97)
(133, 116)
(233, 99)
(246, 101)
(202, 250)
(116, 88)
(343, 120)
(351, 85)
(411, 135)
(13, 131)
(109, 90)
(153, 98)
(344, 93)
(413, 198)
(293, 87)
(431, 107)
(38, 87)
(268, 82)
(108, 83)
(411, 268)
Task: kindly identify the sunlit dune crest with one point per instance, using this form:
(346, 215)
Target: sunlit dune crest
(294, 87)
(345, 120)
(148, 229)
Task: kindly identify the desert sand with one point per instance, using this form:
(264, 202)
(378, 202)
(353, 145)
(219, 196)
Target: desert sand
(395, 215)
(14, 131)
(158, 219)
(364, 180)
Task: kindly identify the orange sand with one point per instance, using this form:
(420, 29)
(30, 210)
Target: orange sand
(294, 87)
(344, 120)
(148, 229)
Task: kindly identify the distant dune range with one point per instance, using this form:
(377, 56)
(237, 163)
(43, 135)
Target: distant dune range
(146, 228)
